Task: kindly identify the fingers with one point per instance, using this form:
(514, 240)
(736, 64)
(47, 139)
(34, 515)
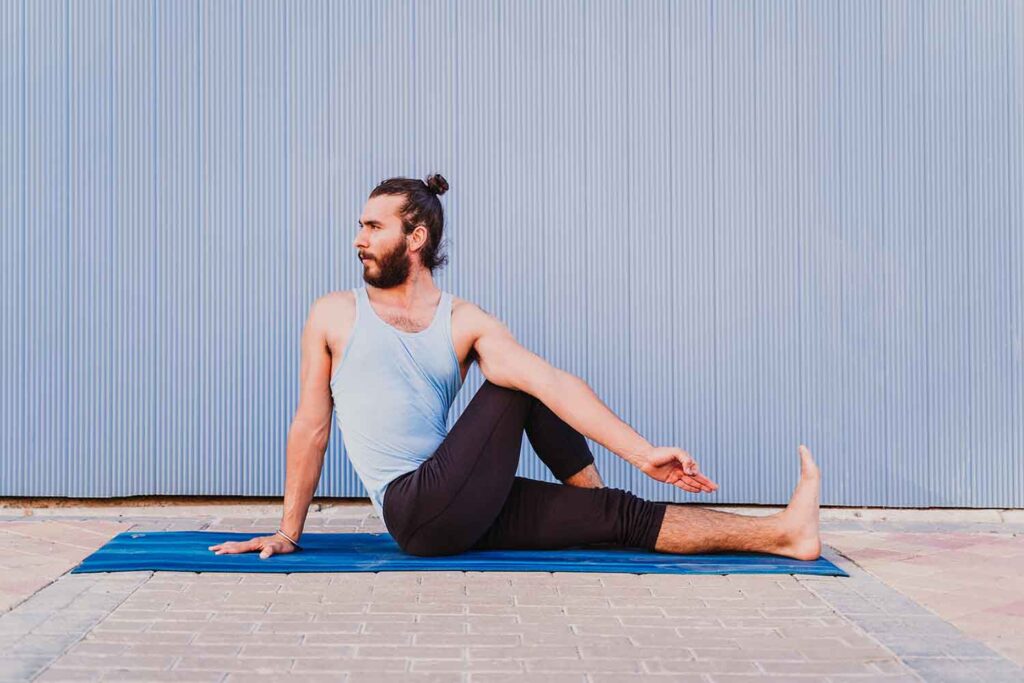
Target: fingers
(694, 484)
(693, 488)
(689, 465)
(685, 482)
(691, 473)
(702, 484)
(233, 547)
(267, 546)
(704, 481)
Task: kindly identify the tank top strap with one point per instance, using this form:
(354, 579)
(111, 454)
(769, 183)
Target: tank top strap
(361, 316)
(446, 309)
(366, 316)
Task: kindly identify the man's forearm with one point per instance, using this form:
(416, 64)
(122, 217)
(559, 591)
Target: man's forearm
(305, 459)
(572, 399)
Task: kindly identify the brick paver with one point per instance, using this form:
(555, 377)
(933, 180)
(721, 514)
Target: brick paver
(324, 623)
(34, 552)
(476, 626)
(972, 580)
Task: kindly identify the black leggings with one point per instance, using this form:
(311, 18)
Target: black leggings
(466, 495)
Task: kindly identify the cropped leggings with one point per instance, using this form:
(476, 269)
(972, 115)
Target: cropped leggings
(467, 495)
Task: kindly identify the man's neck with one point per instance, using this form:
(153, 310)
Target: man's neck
(419, 291)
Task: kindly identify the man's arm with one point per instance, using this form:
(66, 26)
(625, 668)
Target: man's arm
(311, 427)
(506, 363)
(307, 439)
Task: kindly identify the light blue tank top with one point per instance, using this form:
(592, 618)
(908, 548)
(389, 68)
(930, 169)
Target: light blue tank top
(392, 391)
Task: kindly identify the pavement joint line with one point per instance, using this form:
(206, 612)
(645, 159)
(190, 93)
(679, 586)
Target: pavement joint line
(927, 644)
(25, 599)
(31, 654)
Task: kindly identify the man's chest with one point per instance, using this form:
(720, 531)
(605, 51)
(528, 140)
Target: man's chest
(340, 334)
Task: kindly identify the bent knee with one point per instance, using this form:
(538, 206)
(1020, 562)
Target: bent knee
(640, 519)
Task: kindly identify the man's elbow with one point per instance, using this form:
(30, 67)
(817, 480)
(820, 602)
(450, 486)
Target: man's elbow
(549, 382)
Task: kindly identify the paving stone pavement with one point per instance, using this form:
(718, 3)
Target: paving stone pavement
(974, 580)
(485, 626)
(33, 553)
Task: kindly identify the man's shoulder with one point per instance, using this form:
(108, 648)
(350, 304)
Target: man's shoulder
(472, 314)
(339, 296)
(464, 308)
(335, 299)
(327, 309)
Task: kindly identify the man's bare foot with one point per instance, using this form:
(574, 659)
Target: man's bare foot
(800, 518)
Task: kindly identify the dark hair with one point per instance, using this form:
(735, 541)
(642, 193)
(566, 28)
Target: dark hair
(421, 207)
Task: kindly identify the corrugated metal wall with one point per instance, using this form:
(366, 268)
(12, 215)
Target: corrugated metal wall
(746, 224)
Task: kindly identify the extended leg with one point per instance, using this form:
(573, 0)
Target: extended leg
(792, 532)
(542, 515)
(691, 529)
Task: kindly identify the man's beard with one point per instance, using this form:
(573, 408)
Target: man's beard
(392, 268)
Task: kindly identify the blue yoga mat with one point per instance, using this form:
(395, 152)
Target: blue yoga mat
(186, 551)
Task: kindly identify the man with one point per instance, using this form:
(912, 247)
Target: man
(389, 358)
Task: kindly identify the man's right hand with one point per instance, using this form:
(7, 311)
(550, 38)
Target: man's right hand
(675, 466)
(267, 545)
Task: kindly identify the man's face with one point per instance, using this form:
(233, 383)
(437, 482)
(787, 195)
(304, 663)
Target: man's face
(381, 245)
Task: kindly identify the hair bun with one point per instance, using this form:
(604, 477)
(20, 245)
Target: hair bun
(436, 183)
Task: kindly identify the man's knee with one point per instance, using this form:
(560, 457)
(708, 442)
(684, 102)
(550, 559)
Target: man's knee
(489, 387)
(640, 520)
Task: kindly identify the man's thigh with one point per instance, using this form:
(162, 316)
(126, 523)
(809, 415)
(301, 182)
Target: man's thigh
(451, 498)
(542, 515)
(479, 456)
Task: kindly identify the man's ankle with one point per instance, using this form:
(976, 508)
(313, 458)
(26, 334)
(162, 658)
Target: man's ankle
(587, 478)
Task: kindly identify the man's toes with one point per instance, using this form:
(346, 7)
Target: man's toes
(807, 464)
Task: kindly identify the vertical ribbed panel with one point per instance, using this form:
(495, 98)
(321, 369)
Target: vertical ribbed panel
(746, 224)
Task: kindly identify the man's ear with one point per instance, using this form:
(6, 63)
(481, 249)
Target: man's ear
(424, 236)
